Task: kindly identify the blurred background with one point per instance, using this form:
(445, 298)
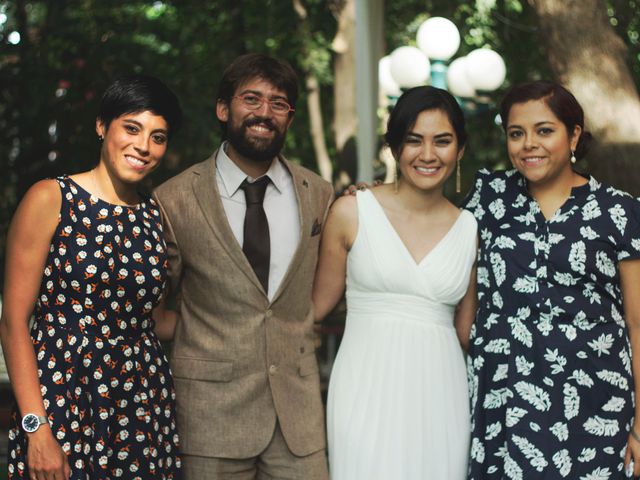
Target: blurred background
(57, 57)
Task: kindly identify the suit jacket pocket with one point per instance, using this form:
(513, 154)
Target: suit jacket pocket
(201, 369)
(308, 365)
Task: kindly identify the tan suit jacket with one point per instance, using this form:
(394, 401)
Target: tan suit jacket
(240, 361)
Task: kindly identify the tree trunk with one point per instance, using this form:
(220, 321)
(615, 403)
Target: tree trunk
(345, 120)
(314, 105)
(589, 58)
(317, 129)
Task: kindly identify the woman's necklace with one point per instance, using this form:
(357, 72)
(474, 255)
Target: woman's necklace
(99, 193)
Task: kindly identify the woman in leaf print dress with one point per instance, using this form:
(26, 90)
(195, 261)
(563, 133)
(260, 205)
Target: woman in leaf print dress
(93, 388)
(551, 374)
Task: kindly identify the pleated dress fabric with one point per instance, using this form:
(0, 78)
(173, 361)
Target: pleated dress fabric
(398, 404)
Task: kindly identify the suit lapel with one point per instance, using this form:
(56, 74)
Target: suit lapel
(302, 189)
(205, 189)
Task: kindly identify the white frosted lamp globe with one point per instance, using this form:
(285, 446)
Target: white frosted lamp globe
(14, 38)
(486, 69)
(457, 79)
(409, 67)
(388, 85)
(438, 38)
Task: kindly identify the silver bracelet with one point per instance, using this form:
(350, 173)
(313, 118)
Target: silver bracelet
(635, 436)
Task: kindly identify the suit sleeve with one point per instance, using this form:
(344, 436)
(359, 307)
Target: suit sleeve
(173, 252)
(329, 200)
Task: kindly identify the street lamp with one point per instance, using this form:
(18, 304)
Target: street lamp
(470, 78)
(485, 69)
(418, 72)
(438, 38)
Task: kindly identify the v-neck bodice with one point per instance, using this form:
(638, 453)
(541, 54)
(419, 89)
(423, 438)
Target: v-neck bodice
(379, 261)
(402, 244)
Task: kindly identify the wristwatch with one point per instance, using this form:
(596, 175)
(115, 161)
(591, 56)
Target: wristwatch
(31, 422)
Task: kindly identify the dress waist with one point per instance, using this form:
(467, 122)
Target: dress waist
(401, 307)
(111, 334)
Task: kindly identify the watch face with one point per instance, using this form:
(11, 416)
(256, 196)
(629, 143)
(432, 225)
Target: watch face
(30, 423)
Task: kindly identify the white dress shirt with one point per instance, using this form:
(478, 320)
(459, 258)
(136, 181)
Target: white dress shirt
(280, 205)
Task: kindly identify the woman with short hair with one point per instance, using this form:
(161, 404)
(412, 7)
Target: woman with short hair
(94, 392)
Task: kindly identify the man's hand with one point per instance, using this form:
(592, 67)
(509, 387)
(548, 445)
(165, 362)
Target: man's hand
(352, 189)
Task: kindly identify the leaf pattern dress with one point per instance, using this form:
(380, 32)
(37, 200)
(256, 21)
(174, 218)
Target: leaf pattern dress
(104, 378)
(549, 362)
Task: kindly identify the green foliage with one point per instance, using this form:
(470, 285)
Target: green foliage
(625, 18)
(51, 82)
(70, 50)
(507, 26)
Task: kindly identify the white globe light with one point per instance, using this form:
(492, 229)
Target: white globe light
(486, 69)
(14, 38)
(387, 83)
(457, 79)
(409, 67)
(438, 38)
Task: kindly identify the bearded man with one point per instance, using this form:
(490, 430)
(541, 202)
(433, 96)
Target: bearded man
(242, 231)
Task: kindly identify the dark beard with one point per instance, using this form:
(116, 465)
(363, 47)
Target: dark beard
(257, 150)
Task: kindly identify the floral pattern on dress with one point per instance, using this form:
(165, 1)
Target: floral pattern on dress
(549, 362)
(104, 377)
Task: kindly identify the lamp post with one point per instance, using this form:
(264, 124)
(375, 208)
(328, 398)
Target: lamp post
(470, 78)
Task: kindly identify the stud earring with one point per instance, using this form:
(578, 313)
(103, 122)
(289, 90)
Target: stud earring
(573, 157)
(458, 182)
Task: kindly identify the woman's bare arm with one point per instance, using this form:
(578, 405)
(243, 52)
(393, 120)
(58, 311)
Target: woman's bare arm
(28, 243)
(338, 235)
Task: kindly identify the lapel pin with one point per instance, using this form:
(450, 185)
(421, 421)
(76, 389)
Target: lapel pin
(305, 183)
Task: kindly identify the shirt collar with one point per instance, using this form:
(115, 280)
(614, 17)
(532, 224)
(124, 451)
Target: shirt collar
(581, 190)
(232, 176)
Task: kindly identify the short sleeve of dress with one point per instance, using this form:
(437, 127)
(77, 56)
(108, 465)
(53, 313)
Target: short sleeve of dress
(474, 199)
(629, 247)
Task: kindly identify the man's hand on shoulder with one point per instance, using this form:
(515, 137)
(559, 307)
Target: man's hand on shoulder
(352, 189)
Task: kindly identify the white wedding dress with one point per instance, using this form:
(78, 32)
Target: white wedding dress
(398, 405)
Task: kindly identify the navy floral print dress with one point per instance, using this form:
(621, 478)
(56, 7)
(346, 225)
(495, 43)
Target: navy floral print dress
(104, 377)
(549, 359)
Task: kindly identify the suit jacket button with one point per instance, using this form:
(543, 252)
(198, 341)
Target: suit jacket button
(273, 369)
(268, 313)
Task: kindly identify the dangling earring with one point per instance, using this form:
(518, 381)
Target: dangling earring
(100, 137)
(458, 176)
(573, 156)
(395, 176)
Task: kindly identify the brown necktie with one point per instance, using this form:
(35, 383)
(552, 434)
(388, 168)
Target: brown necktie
(256, 245)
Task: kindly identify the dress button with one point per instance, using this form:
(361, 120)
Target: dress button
(268, 313)
(273, 369)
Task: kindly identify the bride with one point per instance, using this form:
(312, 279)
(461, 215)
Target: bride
(398, 401)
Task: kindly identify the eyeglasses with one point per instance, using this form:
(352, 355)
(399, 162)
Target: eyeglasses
(254, 102)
